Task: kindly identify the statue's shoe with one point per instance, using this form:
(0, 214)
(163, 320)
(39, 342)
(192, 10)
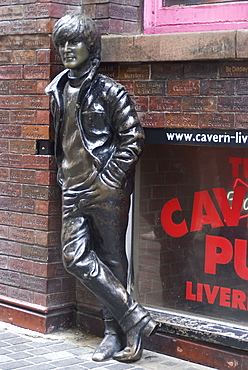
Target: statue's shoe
(110, 345)
(133, 351)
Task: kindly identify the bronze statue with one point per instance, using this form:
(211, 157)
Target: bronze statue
(98, 140)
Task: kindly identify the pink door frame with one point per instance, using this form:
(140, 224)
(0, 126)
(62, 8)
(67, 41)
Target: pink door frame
(214, 17)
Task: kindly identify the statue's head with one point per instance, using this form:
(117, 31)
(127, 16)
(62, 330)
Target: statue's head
(78, 28)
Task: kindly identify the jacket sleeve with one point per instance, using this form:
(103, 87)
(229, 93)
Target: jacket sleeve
(129, 137)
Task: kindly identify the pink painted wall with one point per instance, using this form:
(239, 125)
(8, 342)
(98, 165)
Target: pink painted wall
(214, 17)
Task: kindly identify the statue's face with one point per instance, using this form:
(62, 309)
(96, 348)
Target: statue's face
(74, 55)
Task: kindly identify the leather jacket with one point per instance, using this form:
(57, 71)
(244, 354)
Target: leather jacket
(110, 129)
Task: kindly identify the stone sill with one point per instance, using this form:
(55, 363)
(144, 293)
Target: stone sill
(209, 45)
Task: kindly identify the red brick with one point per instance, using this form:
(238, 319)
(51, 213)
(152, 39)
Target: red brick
(152, 119)
(20, 265)
(149, 88)
(199, 104)
(21, 205)
(165, 70)
(11, 101)
(183, 87)
(60, 298)
(22, 235)
(41, 85)
(3, 262)
(68, 283)
(9, 189)
(11, 12)
(40, 299)
(23, 146)
(10, 131)
(23, 116)
(141, 103)
(102, 10)
(217, 120)
(35, 42)
(181, 120)
(40, 254)
(90, 10)
(36, 102)
(116, 26)
(23, 87)
(116, 11)
(4, 174)
(55, 70)
(36, 72)
(5, 57)
(109, 69)
(13, 160)
(241, 121)
(4, 145)
(43, 56)
(4, 87)
(48, 238)
(41, 192)
(55, 57)
(242, 86)
(35, 132)
(201, 69)
(10, 218)
(56, 270)
(233, 104)
(217, 87)
(11, 72)
(134, 72)
(48, 207)
(131, 27)
(41, 269)
(4, 232)
(9, 277)
(10, 248)
(129, 85)
(22, 176)
(5, 27)
(34, 283)
(47, 223)
(21, 294)
(234, 69)
(54, 285)
(23, 57)
(46, 178)
(4, 116)
(38, 162)
(43, 117)
(158, 103)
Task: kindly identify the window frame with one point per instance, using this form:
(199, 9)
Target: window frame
(224, 15)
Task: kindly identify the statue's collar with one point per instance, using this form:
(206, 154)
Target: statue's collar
(79, 80)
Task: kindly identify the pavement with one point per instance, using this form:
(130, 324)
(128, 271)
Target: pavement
(70, 350)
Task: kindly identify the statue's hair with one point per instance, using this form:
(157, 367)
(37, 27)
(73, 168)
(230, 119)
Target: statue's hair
(78, 27)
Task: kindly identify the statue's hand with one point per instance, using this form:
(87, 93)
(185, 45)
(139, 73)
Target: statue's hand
(98, 192)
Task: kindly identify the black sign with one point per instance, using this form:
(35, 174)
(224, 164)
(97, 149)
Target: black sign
(216, 138)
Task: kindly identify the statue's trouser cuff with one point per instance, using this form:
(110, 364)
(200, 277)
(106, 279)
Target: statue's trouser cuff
(97, 277)
(133, 316)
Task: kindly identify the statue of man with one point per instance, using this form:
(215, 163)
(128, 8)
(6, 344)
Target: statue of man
(98, 140)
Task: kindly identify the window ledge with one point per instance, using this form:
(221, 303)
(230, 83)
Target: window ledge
(215, 331)
(231, 44)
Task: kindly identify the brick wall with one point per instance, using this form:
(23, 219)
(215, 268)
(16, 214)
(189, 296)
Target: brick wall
(32, 278)
(115, 16)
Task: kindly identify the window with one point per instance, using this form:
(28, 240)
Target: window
(191, 233)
